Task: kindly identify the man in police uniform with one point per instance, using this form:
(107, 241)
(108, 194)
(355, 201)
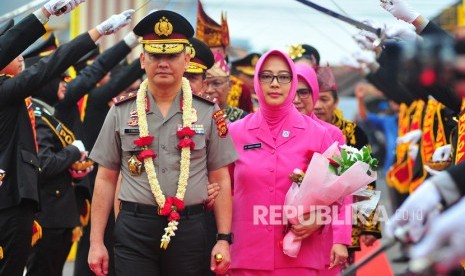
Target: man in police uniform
(201, 60)
(139, 227)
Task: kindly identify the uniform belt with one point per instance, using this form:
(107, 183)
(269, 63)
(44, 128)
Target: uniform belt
(153, 210)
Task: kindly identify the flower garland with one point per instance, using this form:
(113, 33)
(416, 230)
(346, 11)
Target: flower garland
(171, 205)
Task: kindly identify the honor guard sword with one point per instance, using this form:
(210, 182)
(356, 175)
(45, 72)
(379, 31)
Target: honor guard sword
(143, 5)
(362, 26)
(341, 17)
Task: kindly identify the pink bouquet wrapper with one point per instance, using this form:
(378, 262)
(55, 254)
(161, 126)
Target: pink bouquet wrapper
(322, 187)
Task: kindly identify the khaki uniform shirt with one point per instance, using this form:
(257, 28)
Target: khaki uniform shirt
(115, 145)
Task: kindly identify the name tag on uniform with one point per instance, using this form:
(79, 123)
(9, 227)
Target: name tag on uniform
(253, 146)
(198, 128)
(132, 131)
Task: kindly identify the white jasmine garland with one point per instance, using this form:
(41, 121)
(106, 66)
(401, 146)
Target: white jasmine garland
(185, 153)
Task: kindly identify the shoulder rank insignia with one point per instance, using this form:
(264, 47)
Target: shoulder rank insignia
(204, 98)
(221, 125)
(124, 98)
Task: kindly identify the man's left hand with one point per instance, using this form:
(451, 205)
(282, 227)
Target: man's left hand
(221, 247)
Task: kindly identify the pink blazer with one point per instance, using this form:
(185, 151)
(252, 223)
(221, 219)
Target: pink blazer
(260, 184)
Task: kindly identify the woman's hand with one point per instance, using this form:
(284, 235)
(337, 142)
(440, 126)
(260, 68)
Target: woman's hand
(308, 224)
(339, 255)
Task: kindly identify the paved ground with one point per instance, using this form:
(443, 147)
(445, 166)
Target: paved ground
(392, 253)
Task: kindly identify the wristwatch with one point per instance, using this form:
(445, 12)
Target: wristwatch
(225, 237)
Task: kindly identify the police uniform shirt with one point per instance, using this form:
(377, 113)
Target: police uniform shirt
(115, 145)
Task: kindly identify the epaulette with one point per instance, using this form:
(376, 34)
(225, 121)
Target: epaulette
(125, 97)
(204, 98)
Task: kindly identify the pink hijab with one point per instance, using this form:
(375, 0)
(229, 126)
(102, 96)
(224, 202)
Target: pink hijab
(275, 116)
(309, 75)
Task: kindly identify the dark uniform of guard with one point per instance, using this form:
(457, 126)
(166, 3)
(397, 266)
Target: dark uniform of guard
(59, 214)
(139, 226)
(18, 155)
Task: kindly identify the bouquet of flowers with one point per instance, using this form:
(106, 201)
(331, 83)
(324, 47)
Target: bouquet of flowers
(329, 178)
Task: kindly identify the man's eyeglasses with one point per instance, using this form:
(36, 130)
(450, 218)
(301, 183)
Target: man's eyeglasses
(269, 78)
(215, 83)
(304, 93)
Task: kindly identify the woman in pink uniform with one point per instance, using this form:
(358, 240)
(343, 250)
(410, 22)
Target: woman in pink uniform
(271, 143)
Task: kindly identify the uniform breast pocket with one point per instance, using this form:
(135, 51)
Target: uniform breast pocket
(127, 144)
(200, 147)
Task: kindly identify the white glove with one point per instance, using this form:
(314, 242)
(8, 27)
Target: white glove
(442, 153)
(413, 151)
(403, 33)
(411, 137)
(58, 7)
(400, 9)
(444, 244)
(131, 39)
(115, 22)
(78, 144)
(364, 43)
(414, 212)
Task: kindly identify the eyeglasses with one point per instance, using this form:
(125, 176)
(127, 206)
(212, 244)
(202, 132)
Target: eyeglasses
(304, 93)
(269, 78)
(215, 83)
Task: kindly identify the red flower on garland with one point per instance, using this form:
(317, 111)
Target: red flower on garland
(186, 142)
(144, 141)
(146, 153)
(185, 134)
(172, 207)
(185, 131)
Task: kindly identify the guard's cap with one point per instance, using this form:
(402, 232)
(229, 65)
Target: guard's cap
(201, 56)
(246, 65)
(164, 32)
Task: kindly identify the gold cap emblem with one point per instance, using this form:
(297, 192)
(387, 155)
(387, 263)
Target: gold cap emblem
(163, 27)
(254, 60)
